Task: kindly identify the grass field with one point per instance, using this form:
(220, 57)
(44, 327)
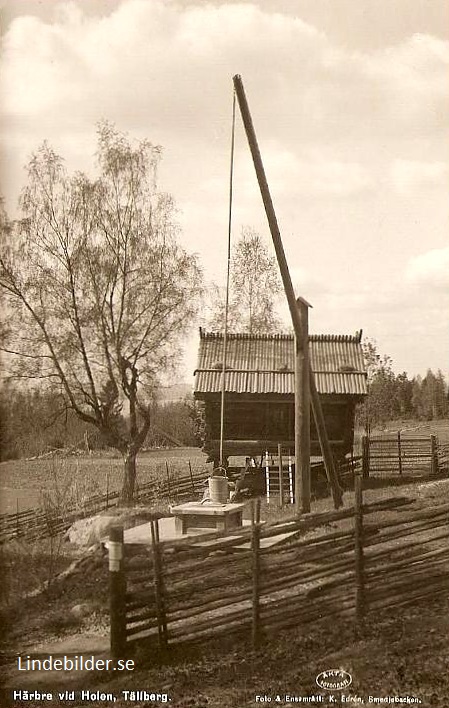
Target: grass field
(440, 428)
(22, 481)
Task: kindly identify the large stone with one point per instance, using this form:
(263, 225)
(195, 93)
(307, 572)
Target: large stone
(93, 530)
(87, 532)
(82, 610)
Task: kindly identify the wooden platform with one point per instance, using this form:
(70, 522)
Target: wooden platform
(142, 535)
(209, 515)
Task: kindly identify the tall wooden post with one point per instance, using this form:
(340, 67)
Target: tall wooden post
(302, 411)
(326, 450)
(117, 593)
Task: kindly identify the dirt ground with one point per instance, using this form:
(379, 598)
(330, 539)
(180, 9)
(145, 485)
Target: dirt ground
(398, 654)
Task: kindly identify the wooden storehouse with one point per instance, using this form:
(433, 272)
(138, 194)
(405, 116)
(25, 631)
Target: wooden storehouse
(259, 393)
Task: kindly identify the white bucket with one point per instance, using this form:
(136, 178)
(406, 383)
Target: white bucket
(218, 490)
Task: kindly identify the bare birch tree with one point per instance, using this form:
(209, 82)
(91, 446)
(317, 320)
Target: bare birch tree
(98, 289)
(255, 287)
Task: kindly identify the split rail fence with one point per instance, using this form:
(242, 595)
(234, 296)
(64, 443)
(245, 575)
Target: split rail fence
(35, 524)
(171, 592)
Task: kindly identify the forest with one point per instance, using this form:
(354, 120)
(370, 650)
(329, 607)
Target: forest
(34, 422)
(396, 396)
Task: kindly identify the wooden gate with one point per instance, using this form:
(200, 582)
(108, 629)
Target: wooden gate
(400, 454)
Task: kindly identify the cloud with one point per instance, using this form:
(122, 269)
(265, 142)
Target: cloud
(410, 175)
(352, 135)
(408, 84)
(291, 175)
(430, 269)
(330, 121)
(315, 174)
(146, 58)
(155, 54)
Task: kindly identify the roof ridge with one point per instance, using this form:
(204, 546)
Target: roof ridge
(279, 336)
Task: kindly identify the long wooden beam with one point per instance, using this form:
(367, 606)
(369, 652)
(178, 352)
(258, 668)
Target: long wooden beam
(302, 409)
(288, 287)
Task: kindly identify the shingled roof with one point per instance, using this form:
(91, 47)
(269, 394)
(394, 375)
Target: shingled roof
(264, 364)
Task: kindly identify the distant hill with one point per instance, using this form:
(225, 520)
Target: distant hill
(176, 392)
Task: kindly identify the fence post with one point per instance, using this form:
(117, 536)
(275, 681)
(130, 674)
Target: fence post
(281, 476)
(365, 456)
(255, 548)
(358, 544)
(191, 478)
(159, 587)
(168, 479)
(107, 489)
(434, 455)
(399, 452)
(117, 592)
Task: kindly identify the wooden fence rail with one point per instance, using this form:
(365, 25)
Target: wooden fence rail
(238, 585)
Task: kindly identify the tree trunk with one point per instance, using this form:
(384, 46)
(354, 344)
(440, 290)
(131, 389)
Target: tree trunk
(129, 479)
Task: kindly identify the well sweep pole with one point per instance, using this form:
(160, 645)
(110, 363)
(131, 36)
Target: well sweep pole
(288, 287)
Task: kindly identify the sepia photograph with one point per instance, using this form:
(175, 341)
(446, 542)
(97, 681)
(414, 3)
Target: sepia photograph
(224, 353)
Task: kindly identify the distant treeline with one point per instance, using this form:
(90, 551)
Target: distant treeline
(393, 397)
(35, 422)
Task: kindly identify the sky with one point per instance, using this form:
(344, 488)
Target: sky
(350, 102)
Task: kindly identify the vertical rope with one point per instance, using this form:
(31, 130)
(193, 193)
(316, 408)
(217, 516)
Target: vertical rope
(225, 333)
